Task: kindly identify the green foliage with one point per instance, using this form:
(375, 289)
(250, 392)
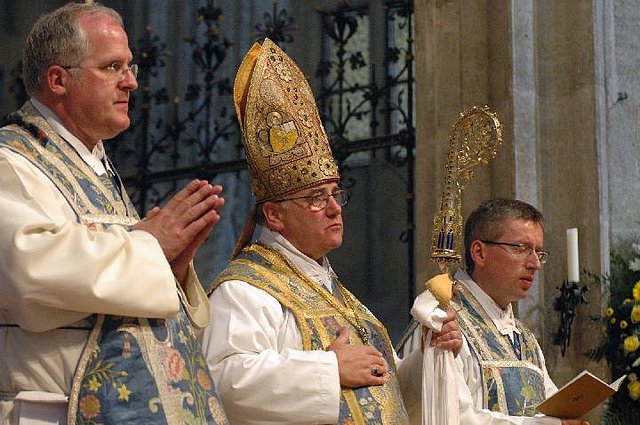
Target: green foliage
(620, 343)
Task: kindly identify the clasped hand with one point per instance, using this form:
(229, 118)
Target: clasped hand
(184, 223)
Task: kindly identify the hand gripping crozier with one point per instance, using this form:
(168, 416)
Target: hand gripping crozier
(473, 141)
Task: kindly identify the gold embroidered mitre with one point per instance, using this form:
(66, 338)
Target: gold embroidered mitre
(286, 145)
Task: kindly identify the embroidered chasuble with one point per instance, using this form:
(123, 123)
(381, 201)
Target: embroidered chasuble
(319, 317)
(512, 376)
(132, 370)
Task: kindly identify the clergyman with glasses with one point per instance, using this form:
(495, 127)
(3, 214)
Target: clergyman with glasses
(503, 373)
(99, 310)
(288, 343)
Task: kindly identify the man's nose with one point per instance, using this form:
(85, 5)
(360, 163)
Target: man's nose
(533, 261)
(129, 82)
(333, 207)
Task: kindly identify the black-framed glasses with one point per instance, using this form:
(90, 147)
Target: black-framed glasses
(116, 70)
(522, 250)
(319, 201)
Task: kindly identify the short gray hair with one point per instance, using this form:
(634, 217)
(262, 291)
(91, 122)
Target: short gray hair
(486, 221)
(57, 39)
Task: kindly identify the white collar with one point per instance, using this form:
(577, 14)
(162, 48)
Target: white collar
(503, 319)
(93, 158)
(319, 273)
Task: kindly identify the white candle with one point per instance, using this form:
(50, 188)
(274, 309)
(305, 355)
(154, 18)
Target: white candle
(573, 264)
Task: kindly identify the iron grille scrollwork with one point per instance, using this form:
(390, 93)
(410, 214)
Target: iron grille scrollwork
(167, 152)
(386, 106)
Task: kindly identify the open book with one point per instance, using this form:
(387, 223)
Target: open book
(579, 396)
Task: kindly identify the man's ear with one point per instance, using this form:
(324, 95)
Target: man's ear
(56, 79)
(272, 213)
(478, 252)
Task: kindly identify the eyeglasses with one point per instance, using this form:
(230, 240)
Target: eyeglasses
(320, 201)
(116, 70)
(522, 250)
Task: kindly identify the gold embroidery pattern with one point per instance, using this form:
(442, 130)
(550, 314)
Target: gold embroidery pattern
(74, 193)
(494, 360)
(319, 316)
(285, 142)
